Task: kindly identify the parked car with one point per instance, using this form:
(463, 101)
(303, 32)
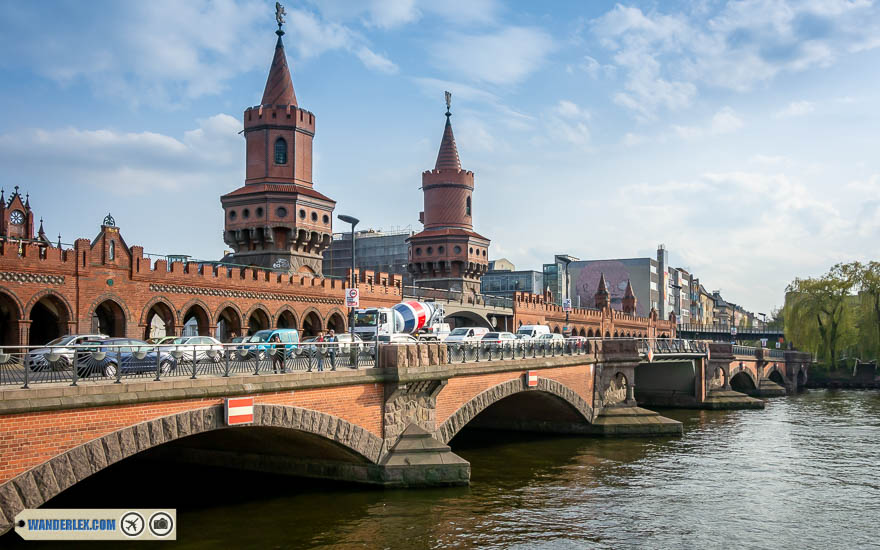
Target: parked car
(345, 342)
(58, 354)
(551, 341)
(437, 332)
(498, 340)
(466, 334)
(526, 332)
(161, 340)
(397, 339)
(127, 355)
(188, 348)
(259, 342)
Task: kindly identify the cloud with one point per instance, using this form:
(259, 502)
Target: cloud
(372, 60)
(724, 121)
(796, 108)
(131, 163)
(667, 58)
(568, 122)
(389, 14)
(504, 57)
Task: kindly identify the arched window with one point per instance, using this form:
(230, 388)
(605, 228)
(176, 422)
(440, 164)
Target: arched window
(280, 151)
(467, 207)
(112, 250)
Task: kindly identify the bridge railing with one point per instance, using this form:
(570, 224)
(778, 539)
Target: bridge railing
(725, 329)
(457, 296)
(744, 350)
(96, 362)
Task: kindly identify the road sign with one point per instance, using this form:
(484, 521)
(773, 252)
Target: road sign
(352, 297)
(763, 342)
(566, 305)
(239, 411)
(778, 345)
(733, 331)
(532, 378)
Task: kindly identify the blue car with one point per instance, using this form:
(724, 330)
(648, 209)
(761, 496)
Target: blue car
(259, 343)
(135, 356)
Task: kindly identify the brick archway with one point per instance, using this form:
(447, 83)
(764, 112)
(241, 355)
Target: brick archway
(484, 400)
(736, 375)
(285, 317)
(198, 310)
(34, 487)
(257, 318)
(159, 307)
(10, 318)
(50, 316)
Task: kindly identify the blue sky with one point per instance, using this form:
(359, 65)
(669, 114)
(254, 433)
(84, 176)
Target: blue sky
(742, 135)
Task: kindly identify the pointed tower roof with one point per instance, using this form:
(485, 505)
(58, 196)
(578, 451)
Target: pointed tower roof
(279, 85)
(447, 158)
(603, 286)
(628, 293)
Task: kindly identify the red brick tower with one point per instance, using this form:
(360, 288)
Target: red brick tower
(277, 219)
(448, 253)
(16, 218)
(629, 299)
(602, 297)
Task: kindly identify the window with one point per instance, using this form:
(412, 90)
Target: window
(326, 218)
(418, 251)
(457, 249)
(260, 212)
(281, 212)
(232, 214)
(280, 151)
(112, 250)
(467, 207)
(430, 250)
(245, 213)
(302, 214)
(314, 216)
(440, 250)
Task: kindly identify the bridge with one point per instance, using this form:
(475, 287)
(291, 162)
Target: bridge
(468, 309)
(725, 333)
(390, 421)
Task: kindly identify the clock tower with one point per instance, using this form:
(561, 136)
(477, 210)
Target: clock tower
(16, 217)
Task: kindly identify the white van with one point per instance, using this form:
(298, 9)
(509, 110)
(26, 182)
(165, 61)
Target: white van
(466, 334)
(527, 332)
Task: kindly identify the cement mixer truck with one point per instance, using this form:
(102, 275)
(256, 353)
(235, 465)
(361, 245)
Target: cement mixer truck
(421, 319)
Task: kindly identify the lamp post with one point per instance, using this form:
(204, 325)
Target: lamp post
(352, 348)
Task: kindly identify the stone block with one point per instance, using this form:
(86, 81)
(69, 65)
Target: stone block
(64, 475)
(10, 502)
(112, 448)
(127, 444)
(97, 455)
(45, 479)
(28, 489)
(423, 354)
(80, 462)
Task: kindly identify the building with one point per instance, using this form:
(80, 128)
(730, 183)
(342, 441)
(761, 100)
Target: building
(640, 273)
(501, 264)
(505, 283)
(557, 279)
(277, 219)
(447, 253)
(375, 250)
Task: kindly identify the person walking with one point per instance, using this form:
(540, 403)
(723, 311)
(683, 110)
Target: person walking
(319, 350)
(331, 347)
(277, 350)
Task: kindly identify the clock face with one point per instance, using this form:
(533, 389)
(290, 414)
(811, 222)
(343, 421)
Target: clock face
(16, 217)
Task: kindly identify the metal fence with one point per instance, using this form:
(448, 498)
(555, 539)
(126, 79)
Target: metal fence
(94, 362)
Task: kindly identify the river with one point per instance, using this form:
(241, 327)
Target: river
(803, 473)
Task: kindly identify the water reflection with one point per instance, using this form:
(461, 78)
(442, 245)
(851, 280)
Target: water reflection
(800, 474)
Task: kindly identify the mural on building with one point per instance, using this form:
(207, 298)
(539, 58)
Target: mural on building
(585, 280)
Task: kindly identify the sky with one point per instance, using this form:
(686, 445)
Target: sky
(743, 135)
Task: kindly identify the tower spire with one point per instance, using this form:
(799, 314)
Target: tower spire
(447, 158)
(279, 85)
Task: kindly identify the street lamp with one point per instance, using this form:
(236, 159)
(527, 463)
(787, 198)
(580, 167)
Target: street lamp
(352, 348)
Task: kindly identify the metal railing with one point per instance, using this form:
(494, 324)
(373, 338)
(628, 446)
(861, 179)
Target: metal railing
(744, 350)
(96, 362)
(725, 329)
(456, 296)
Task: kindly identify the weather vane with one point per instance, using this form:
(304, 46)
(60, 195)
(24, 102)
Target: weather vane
(448, 102)
(279, 14)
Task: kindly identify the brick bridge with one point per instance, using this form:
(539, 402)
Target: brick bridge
(390, 425)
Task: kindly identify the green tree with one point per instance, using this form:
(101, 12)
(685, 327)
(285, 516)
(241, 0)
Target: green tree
(869, 301)
(818, 312)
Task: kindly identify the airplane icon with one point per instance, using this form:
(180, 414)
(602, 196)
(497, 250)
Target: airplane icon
(132, 524)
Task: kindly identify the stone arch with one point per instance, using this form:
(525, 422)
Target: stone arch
(196, 310)
(801, 380)
(158, 307)
(742, 380)
(285, 317)
(109, 315)
(484, 400)
(776, 376)
(590, 333)
(50, 315)
(556, 329)
(228, 321)
(582, 333)
(336, 321)
(10, 318)
(607, 334)
(257, 318)
(312, 323)
(470, 318)
(34, 487)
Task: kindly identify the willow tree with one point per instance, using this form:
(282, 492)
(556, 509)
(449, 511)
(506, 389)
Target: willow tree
(818, 314)
(869, 294)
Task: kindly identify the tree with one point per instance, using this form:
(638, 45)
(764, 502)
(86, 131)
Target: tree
(817, 312)
(869, 294)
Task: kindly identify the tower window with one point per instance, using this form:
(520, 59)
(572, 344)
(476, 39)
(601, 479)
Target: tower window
(467, 207)
(112, 253)
(280, 151)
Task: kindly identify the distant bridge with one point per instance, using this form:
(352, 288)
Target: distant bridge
(727, 333)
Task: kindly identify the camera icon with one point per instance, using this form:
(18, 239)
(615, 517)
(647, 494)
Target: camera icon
(161, 524)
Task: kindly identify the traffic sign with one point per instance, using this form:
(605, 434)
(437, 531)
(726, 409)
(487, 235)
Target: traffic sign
(239, 411)
(352, 297)
(733, 331)
(531, 378)
(566, 304)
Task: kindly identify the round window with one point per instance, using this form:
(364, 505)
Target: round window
(471, 250)
(326, 218)
(457, 249)
(260, 212)
(314, 216)
(232, 214)
(281, 212)
(245, 213)
(302, 214)
(418, 251)
(439, 250)
(484, 252)
(430, 250)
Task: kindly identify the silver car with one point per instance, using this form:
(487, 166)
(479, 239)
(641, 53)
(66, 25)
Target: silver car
(58, 354)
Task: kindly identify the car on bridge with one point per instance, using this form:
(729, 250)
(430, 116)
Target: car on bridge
(498, 341)
(188, 348)
(126, 355)
(259, 342)
(551, 341)
(58, 354)
(466, 335)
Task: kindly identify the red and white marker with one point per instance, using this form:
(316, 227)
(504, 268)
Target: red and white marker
(532, 378)
(239, 411)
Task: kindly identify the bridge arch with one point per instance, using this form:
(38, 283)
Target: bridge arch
(257, 318)
(776, 375)
(50, 315)
(10, 317)
(470, 318)
(34, 487)
(470, 410)
(742, 380)
(161, 308)
(285, 317)
(336, 321)
(109, 315)
(312, 323)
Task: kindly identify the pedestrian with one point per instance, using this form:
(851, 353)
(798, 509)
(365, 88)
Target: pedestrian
(277, 351)
(331, 347)
(319, 350)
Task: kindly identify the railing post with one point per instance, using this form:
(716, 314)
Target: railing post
(27, 369)
(119, 366)
(226, 355)
(158, 368)
(195, 362)
(75, 373)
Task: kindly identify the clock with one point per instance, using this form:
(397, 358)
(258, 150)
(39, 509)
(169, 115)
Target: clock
(17, 217)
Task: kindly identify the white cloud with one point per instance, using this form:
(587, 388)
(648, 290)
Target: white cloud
(724, 121)
(389, 14)
(568, 122)
(796, 108)
(372, 60)
(504, 57)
